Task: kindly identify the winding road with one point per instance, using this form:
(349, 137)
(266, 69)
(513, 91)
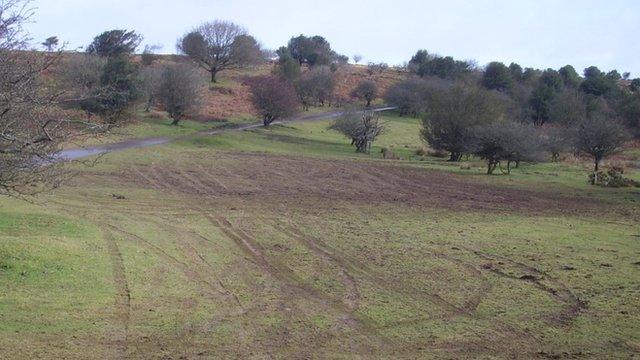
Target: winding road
(79, 153)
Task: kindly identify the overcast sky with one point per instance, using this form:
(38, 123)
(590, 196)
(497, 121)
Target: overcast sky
(536, 33)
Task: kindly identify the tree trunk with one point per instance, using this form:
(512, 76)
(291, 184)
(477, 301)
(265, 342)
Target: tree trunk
(455, 157)
(597, 165)
(213, 72)
(491, 166)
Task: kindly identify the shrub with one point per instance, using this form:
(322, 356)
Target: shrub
(118, 90)
(511, 142)
(315, 86)
(274, 98)
(598, 136)
(614, 177)
(452, 113)
(179, 91)
(366, 90)
(361, 128)
(411, 96)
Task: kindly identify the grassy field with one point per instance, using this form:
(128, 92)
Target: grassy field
(283, 243)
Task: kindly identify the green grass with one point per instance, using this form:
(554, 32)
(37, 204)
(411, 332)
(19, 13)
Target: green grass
(197, 290)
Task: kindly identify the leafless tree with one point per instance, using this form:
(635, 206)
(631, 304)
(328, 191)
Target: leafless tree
(220, 45)
(357, 58)
(30, 129)
(361, 127)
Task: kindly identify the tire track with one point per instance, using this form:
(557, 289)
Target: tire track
(295, 286)
(122, 296)
(195, 256)
(353, 295)
(573, 305)
(355, 266)
(188, 271)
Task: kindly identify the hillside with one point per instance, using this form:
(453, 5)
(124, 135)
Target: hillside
(229, 98)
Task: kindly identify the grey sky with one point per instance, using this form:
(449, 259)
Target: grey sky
(537, 33)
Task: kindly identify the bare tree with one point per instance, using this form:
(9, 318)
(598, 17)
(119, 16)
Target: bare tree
(220, 45)
(361, 127)
(357, 58)
(30, 130)
(274, 98)
(179, 91)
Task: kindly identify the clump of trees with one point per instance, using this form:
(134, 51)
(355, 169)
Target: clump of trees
(221, 45)
(314, 51)
(362, 128)
(411, 96)
(451, 114)
(425, 64)
(179, 91)
(497, 76)
(367, 91)
(274, 98)
(509, 142)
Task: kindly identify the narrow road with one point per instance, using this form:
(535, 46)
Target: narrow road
(75, 154)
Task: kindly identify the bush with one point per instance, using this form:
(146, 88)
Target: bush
(179, 91)
(274, 98)
(361, 128)
(366, 90)
(377, 68)
(411, 96)
(425, 64)
(118, 90)
(451, 114)
(511, 142)
(612, 178)
(315, 86)
(598, 136)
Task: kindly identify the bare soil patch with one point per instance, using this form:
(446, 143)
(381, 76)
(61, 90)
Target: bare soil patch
(290, 179)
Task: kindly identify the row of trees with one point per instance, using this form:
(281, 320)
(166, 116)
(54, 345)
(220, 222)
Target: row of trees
(469, 120)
